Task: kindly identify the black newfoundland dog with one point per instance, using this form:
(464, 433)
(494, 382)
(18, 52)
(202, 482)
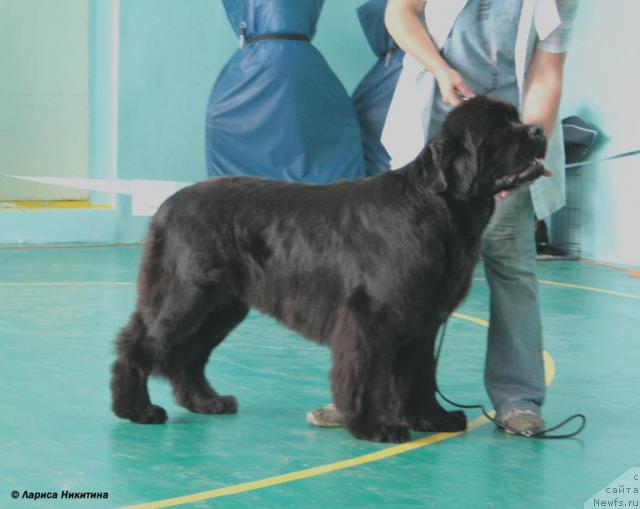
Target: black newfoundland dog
(371, 268)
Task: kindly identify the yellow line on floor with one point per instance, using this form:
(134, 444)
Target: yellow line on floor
(578, 287)
(549, 368)
(308, 472)
(339, 465)
(472, 319)
(589, 289)
(51, 204)
(68, 283)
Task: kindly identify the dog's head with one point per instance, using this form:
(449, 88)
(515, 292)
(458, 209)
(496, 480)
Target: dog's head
(483, 148)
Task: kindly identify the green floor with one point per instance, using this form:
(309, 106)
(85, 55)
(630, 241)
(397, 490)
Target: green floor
(60, 310)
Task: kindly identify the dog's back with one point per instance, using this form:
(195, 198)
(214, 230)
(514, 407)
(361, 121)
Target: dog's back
(299, 252)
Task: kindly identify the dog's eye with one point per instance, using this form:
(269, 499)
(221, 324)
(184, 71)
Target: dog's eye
(509, 127)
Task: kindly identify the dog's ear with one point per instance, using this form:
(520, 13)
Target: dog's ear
(465, 167)
(432, 166)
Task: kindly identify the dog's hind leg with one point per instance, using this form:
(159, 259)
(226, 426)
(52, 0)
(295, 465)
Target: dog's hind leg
(153, 343)
(190, 386)
(130, 398)
(415, 387)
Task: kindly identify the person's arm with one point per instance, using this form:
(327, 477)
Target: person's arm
(403, 19)
(542, 94)
(543, 86)
(543, 89)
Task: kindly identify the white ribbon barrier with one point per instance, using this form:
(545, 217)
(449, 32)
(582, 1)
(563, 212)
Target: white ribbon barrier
(587, 162)
(146, 195)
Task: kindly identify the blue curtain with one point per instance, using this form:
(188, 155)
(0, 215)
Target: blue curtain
(277, 110)
(372, 97)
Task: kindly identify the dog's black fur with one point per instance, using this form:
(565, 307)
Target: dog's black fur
(370, 268)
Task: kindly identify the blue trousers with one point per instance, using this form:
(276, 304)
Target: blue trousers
(514, 370)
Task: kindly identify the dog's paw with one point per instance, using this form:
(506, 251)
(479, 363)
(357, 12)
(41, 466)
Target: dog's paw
(396, 434)
(217, 405)
(152, 414)
(384, 433)
(441, 421)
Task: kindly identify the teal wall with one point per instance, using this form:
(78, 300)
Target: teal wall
(170, 52)
(601, 86)
(170, 55)
(44, 95)
(98, 42)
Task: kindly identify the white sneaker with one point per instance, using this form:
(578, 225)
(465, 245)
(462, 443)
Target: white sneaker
(523, 420)
(327, 416)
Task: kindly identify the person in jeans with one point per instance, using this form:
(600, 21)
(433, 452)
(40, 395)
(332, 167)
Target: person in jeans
(512, 50)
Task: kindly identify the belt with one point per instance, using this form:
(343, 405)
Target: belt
(269, 37)
(278, 37)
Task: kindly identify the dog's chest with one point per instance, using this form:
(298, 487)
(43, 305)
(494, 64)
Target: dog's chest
(462, 261)
(462, 253)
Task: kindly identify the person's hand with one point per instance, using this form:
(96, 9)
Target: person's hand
(503, 194)
(452, 86)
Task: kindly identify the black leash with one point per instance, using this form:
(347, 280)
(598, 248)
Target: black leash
(539, 434)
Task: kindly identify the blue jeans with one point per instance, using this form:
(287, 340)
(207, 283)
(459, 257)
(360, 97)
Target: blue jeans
(514, 370)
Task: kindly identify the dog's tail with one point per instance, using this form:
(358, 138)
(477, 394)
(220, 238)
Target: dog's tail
(151, 271)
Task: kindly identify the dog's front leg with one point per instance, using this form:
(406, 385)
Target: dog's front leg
(360, 381)
(415, 386)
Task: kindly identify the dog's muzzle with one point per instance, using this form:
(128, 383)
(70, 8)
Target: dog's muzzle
(511, 181)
